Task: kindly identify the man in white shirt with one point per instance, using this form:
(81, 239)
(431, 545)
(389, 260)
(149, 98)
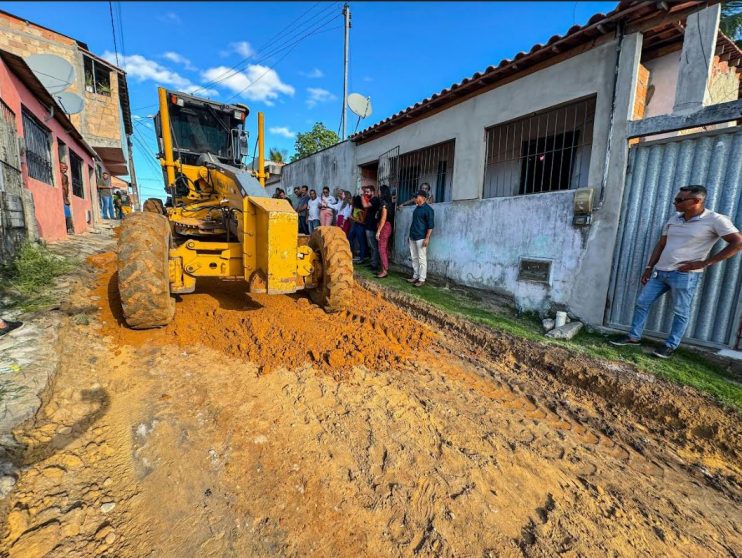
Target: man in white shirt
(678, 259)
(313, 211)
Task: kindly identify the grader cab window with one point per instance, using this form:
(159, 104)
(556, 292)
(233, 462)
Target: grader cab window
(201, 129)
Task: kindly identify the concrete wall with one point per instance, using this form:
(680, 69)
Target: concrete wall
(480, 243)
(334, 167)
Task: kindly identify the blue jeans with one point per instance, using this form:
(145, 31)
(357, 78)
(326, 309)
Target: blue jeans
(106, 206)
(358, 234)
(313, 224)
(373, 245)
(303, 228)
(682, 285)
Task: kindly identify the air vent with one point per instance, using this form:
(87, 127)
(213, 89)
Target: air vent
(538, 271)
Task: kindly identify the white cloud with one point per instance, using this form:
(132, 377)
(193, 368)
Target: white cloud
(141, 69)
(243, 48)
(282, 131)
(318, 95)
(179, 59)
(314, 73)
(171, 17)
(255, 83)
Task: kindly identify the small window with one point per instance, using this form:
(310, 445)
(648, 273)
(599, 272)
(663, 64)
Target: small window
(76, 171)
(432, 165)
(97, 77)
(37, 140)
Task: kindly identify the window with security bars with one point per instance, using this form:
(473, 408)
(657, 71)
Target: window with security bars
(544, 152)
(76, 171)
(434, 165)
(38, 149)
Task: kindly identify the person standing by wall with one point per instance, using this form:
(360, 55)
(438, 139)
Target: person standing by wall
(677, 262)
(371, 205)
(421, 228)
(425, 187)
(343, 208)
(357, 230)
(302, 208)
(105, 196)
(66, 199)
(384, 228)
(313, 206)
(325, 207)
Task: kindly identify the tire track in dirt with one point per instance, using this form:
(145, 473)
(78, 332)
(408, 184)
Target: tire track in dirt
(455, 449)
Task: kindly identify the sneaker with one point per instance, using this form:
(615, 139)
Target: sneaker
(626, 342)
(411, 280)
(11, 326)
(664, 352)
(419, 283)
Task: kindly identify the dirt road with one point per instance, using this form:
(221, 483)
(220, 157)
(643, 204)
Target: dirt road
(262, 427)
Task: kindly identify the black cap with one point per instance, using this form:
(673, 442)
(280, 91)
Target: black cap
(422, 193)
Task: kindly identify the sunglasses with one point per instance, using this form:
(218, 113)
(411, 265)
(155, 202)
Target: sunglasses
(681, 200)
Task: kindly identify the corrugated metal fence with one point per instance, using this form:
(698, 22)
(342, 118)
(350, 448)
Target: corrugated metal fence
(656, 171)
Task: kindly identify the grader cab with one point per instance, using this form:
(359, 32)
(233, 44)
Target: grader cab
(221, 223)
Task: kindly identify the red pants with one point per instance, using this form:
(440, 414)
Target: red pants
(384, 236)
(344, 224)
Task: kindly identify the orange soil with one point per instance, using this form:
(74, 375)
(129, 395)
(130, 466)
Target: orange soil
(271, 331)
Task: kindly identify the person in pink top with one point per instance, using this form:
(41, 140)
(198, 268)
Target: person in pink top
(326, 202)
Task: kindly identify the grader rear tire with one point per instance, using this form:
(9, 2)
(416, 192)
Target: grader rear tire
(143, 278)
(154, 205)
(335, 289)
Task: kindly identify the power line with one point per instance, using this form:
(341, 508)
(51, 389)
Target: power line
(113, 28)
(121, 29)
(234, 70)
(293, 46)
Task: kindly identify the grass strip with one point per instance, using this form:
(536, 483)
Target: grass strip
(686, 367)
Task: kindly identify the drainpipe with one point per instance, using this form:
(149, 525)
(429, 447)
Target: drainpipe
(604, 180)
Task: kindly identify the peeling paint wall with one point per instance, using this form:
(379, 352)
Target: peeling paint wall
(334, 167)
(480, 244)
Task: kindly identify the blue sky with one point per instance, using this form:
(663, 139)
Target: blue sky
(290, 54)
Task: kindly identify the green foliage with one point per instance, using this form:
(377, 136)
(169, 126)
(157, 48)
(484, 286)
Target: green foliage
(277, 155)
(731, 20)
(318, 138)
(685, 367)
(28, 277)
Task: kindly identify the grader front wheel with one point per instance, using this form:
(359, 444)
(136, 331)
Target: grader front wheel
(143, 278)
(154, 205)
(334, 290)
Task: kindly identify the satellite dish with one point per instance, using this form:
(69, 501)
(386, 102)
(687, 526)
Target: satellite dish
(54, 73)
(359, 105)
(70, 103)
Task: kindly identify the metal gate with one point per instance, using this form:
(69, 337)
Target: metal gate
(388, 170)
(12, 218)
(656, 170)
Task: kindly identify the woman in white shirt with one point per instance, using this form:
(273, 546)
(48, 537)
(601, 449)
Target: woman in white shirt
(343, 209)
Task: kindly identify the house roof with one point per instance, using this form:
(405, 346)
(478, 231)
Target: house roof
(633, 15)
(19, 67)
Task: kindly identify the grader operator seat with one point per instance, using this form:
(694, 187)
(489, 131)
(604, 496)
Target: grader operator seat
(222, 222)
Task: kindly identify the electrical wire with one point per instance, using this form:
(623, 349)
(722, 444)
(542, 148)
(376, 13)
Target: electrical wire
(113, 29)
(277, 62)
(273, 51)
(121, 29)
(236, 68)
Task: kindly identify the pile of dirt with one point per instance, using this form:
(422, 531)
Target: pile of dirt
(271, 331)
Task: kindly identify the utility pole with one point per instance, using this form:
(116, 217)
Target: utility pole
(346, 15)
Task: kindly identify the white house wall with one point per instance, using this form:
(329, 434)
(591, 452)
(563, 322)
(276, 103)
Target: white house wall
(334, 167)
(481, 242)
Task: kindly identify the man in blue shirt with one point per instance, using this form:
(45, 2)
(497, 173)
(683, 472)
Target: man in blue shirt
(423, 222)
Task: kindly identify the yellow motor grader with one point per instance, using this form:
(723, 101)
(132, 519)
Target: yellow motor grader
(221, 223)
